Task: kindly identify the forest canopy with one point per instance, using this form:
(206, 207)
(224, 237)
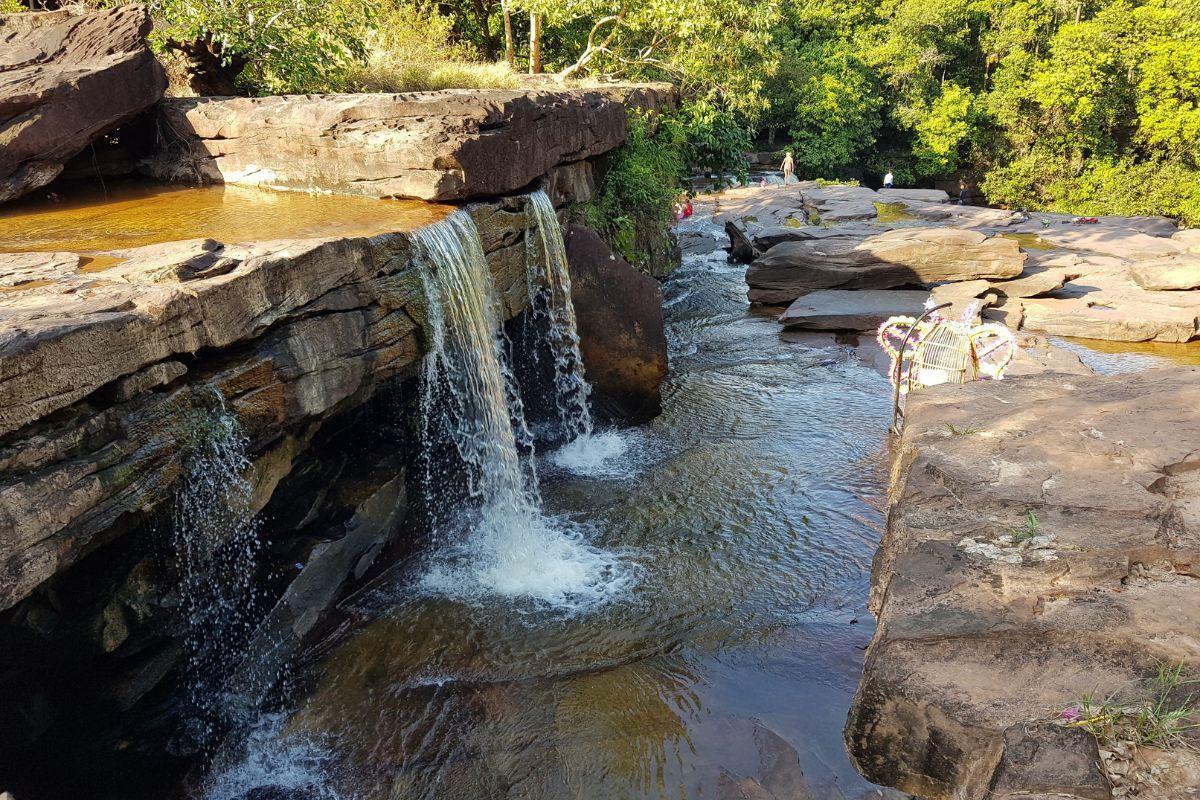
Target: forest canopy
(1088, 106)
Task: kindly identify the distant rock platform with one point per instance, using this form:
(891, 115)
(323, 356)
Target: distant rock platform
(1125, 279)
(434, 146)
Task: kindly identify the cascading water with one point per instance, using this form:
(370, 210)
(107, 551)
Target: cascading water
(214, 535)
(510, 547)
(585, 450)
(550, 300)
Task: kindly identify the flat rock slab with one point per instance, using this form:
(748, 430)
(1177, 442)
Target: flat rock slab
(1102, 319)
(1112, 239)
(66, 79)
(984, 637)
(912, 196)
(894, 258)
(1176, 273)
(1034, 280)
(843, 310)
(435, 146)
(1188, 240)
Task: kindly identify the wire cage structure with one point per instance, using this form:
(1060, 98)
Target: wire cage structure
(929, 350)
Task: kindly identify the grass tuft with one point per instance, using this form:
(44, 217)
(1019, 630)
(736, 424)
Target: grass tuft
(1160, 722)
(1029, 529)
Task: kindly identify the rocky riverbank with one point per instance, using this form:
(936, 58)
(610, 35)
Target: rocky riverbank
(1128, 279)
(1040, 569)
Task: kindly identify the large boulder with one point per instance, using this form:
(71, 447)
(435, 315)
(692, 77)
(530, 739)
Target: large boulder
(1041, 547)
(619, 313)
(447, 145)
(66, 79)
(895, 258)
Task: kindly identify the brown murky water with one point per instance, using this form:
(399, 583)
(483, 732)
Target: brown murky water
(1109, 358)
(137, 213)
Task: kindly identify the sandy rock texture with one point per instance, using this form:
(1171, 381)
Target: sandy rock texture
(1042, 546)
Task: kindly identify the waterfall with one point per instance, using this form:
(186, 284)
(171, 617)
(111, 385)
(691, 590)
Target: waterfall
(501, 543)
(585, 451)
(552, 307)
(215, 542)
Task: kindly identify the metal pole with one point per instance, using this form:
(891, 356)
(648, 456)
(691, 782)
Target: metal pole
(900, 363)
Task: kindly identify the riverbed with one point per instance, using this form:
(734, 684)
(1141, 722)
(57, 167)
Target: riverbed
(720, 660)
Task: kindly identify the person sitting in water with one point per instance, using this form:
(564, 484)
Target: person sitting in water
(788, 166)
(888, 179)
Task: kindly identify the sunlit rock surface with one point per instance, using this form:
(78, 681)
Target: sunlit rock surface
(436, 146)
(65, 79)
(1125, 279)
(893, 258)
(992, 622)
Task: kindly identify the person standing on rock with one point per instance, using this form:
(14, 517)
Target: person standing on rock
(788, 166)
(888, 179)
(962, 191)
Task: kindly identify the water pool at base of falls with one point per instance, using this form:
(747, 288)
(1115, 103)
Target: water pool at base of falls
(732, 539)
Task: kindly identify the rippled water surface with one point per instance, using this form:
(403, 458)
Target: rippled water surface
(744, 521)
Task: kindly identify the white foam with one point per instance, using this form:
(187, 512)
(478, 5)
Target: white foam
(598, 454)
(270, 758)
(522, 553)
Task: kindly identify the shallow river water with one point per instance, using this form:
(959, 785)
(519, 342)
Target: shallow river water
(722, 659)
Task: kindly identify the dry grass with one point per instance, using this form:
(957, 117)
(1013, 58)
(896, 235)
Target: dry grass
(385, 72)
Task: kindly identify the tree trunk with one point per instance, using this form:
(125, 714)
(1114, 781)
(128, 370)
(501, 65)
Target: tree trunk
(535, 44)
(510, 52)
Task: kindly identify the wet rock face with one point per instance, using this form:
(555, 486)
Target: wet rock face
(619, 313)
(435, 146)
(64, 80)
(1042, 545)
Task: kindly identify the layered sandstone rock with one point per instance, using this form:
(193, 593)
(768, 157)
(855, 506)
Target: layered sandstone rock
(894, 258)
(1042, 546)
(436, 146)
(65, 79)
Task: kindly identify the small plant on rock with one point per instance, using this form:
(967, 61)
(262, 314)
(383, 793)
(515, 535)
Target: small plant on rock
(955, 430)
(1027, 531)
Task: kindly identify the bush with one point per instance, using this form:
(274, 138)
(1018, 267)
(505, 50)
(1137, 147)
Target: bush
(12, 6)
(268, 46)
(632, 207)
(1104, 186)
(409, 47)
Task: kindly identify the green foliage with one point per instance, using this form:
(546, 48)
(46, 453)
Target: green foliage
(709, 140)
(715, 50)
(275, 46)
(12, 6)
(632, 207)
(1028, 529)
(941, 131)
(836, 107)
(411, 47)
